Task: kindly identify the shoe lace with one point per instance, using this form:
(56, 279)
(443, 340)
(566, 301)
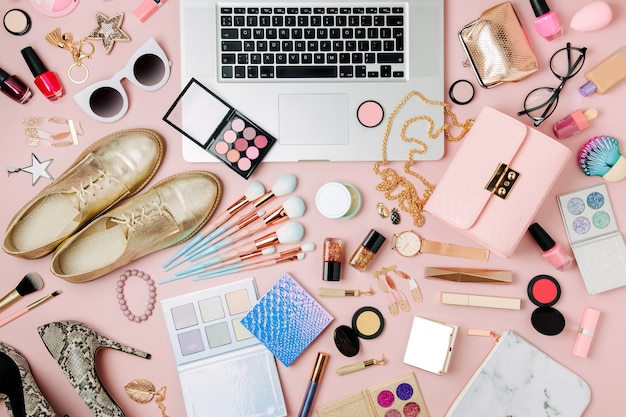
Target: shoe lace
(138, 217)
(90, 188)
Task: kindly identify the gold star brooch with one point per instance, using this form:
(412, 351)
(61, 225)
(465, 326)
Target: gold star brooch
(109, 31)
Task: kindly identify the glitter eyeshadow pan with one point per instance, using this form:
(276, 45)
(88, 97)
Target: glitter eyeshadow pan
(220, 129)
(400, 397)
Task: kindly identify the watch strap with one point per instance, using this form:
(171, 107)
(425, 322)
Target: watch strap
(457, 251)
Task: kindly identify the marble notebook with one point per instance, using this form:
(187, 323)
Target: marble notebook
(286, 319)
(517, 379)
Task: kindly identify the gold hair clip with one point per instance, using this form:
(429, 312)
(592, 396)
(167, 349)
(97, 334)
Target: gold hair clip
(76, 48)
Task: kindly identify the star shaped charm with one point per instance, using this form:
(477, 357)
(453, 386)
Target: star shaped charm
(38, 169)
(109, 31)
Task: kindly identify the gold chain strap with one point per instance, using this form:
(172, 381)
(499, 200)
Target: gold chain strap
(397, 187)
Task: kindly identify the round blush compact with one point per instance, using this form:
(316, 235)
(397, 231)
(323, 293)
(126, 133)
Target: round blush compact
(544, 291)
(54, 8)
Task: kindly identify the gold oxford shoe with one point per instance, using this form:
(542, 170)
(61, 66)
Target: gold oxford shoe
(113, 168)
(170, 212)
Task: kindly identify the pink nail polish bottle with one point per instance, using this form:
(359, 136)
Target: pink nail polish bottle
(546, 22)
(573, 123)
(552, 251)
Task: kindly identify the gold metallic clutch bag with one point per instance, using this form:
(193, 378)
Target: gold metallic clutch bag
(497, 47)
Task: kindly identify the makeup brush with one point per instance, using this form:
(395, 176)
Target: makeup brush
(258, 265)
(290, 232)
(29, 284)
(601, 157)
(237, 222)
(29, 307)
(292, 208)
(223, 269)
(285, 184)
(254, 191)
(249, 257)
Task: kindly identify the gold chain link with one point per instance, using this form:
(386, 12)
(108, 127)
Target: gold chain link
(397, 187)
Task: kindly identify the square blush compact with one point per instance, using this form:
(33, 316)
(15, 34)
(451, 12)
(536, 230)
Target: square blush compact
(218, 128)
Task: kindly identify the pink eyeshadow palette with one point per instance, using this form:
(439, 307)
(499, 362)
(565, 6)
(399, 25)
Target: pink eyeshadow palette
(218, 128)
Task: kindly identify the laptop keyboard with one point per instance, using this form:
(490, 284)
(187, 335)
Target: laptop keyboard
(277, 42)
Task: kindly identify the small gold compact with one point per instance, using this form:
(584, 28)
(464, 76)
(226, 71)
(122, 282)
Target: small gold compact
(409, 243)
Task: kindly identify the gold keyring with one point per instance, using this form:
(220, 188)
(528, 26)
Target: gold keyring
(77, 65)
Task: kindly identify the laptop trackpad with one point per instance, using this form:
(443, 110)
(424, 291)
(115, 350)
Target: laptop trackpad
(313, 119)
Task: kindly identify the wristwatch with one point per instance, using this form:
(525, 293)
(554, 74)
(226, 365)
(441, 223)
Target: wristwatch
(409, 243)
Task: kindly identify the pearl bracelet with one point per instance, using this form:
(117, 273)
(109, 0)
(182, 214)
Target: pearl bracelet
(122, 299)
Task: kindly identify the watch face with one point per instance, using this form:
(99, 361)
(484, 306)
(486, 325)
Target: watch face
(408, 243)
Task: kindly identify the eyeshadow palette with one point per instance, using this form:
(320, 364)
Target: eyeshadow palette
(212, 349)
(400, 397)
(286, 319)
(219, 128)
(595, 238)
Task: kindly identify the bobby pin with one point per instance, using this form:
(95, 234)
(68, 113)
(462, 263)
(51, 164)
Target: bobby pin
(337, 292)
(360, 365)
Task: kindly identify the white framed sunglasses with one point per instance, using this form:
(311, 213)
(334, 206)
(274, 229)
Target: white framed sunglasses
(148, 68)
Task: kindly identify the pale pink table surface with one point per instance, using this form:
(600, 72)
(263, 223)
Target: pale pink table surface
(95, 302)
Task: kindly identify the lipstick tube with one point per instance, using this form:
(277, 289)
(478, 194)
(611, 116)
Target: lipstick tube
(586, 332)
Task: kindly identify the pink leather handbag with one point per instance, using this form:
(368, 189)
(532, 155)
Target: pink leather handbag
(497, 181)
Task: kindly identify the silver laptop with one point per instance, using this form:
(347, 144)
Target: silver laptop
(321, 77)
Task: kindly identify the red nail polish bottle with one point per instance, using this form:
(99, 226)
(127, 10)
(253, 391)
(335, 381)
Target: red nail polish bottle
(48, 82)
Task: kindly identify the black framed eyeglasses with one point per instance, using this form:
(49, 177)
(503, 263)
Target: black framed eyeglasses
(541, 102)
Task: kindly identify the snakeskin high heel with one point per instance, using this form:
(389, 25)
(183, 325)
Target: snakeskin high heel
(18, 388)
(74, 346)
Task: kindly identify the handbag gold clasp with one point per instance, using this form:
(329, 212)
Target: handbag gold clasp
(502, 181)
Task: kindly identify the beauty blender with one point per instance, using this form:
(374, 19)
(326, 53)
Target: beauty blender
(592, 17)
(601, 157)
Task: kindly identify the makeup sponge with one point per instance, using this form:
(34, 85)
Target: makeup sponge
(592, 17)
